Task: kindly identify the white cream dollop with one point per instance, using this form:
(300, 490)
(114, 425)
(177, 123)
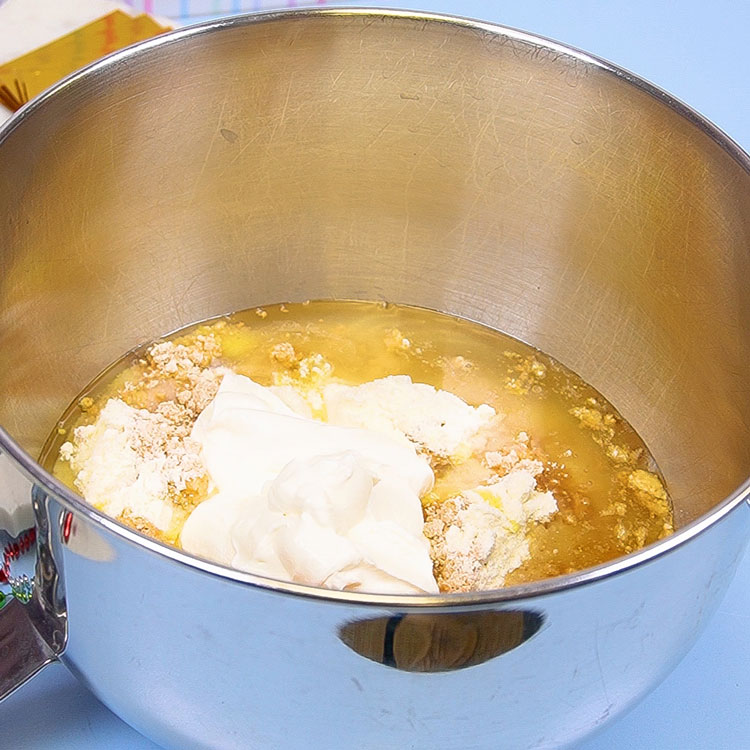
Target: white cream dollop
(307, 501)
(438, 420)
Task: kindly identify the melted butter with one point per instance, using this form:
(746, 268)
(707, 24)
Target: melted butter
(609, 496)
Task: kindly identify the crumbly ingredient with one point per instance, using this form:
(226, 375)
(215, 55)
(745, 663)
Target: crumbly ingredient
(304, 376)
(592, 416)
(517, 454)
(481, 535)
(178, 380)
(134, 461)
(284, 354)
(526, 373)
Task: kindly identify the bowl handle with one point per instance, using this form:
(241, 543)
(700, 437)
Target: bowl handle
(440, 642)
(24, 651)
(33, 626)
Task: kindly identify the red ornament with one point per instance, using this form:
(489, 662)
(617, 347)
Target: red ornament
(14, 550)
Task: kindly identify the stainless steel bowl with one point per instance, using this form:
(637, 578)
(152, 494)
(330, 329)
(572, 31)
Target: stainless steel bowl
(419, 159)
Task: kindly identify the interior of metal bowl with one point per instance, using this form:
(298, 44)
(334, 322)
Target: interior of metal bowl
(362, 154)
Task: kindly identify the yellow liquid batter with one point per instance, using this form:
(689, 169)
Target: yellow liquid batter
(610, 498)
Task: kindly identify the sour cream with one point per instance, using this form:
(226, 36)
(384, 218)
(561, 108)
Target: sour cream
(307, 501)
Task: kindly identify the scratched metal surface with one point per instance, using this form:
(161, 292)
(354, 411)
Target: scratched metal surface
(526, 188)
(704, 703)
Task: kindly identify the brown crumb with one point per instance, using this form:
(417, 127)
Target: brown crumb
(178, 380)
(142, 525)
(516, 454)
(650, 492)
(452, 572)
(192, 494)
(284, 354)
(525, 373)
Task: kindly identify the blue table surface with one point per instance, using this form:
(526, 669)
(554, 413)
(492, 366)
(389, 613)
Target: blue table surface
(698, 51)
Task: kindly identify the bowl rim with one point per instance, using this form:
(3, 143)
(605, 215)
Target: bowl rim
(73, 502)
